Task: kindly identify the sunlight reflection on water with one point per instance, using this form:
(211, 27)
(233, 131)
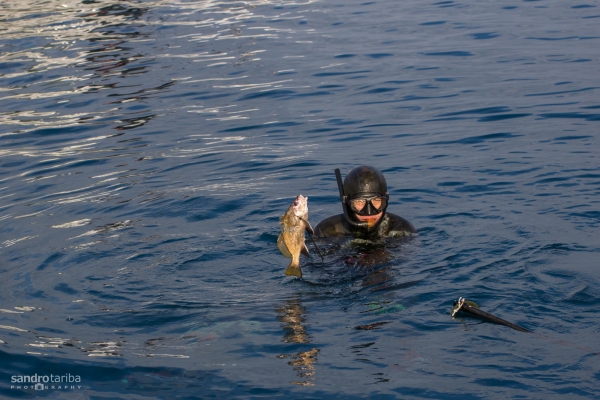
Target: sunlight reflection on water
(148, 149)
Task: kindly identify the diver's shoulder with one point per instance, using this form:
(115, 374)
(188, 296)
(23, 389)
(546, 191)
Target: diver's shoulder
(399, 224)
(332, 226)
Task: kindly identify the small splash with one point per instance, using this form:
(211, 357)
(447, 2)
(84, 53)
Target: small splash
(73, 224)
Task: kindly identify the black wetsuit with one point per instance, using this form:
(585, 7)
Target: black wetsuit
(391, 226)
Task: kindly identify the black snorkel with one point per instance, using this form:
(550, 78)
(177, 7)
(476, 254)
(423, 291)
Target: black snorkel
(344, 199)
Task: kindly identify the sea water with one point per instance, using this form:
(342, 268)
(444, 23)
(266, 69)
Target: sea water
(148, 149)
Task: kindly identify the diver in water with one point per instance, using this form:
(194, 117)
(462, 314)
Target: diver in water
(364, 198)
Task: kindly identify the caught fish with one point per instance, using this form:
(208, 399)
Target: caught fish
(291, 239)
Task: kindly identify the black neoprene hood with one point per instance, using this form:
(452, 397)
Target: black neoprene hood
(364, 181)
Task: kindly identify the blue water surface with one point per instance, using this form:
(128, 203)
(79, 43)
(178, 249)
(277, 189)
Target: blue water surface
(148, 149)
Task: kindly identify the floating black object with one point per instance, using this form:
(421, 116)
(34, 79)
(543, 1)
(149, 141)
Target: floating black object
(467, 306)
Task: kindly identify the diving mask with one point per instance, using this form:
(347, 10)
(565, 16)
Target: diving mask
(368, 206)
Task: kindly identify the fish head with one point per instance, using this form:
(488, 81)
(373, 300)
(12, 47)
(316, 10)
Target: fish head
(300, 206)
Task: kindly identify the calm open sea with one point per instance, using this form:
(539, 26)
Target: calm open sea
(148, 148)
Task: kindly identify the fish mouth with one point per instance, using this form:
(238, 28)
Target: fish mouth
(371, 220)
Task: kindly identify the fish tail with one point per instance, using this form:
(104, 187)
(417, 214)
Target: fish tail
(294, 268)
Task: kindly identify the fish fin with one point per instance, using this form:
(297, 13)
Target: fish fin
(294, 269)
(307, 226)
(305, 251)
(282, 247)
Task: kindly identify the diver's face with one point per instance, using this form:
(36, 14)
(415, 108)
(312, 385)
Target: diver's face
(364, 209)
(371, 220)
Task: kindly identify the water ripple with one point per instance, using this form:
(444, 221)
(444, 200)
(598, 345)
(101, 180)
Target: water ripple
(148, 149)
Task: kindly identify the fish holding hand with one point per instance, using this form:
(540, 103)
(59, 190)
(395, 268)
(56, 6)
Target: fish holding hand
(291, 239)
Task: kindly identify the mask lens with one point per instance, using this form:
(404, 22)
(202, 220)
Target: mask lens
(377, 203)
(358, 204)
